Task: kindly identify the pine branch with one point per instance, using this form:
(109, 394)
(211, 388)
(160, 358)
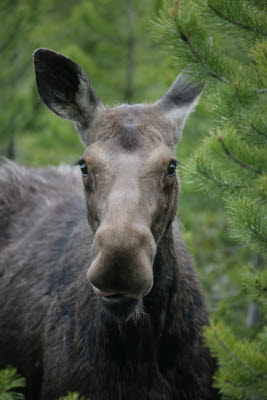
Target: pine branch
(10, 382)
(254, 230)
(199, 58)
(256, 129)
(247, 217)
(186, 41)
(236, 160)
(235, 356)
(254, 284)
(237, 93)
(211, 177)
(236, 385)
(230, 20)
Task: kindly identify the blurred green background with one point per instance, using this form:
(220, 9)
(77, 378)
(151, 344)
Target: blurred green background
(115, 43)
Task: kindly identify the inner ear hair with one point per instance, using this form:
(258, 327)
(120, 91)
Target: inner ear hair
(179, 101)
(183, 93)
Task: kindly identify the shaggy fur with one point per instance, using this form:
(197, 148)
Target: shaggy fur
(63, 333)
(51, 325)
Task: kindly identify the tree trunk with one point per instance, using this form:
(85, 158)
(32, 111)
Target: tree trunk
(11, 148)
(131, 40)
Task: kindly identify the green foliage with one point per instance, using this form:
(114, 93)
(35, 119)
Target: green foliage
(109, 40)
(254, 283)
(226, 167)
(231, 167)
(248, 218)
(242, 371)
(243, 363)
(72, 396)
(9, 382)
(244, 19)
(227, 163)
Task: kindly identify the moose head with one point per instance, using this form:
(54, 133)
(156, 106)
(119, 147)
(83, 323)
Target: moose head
(128, 170)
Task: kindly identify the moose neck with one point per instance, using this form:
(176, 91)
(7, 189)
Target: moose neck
(159, 301)
(141, 339)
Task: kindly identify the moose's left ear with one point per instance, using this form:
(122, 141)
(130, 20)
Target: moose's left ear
(179, 101)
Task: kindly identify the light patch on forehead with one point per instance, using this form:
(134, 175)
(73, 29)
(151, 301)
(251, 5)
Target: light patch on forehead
(96, 153)
(161, 154)
(111, 156)
(127, 162)
(125, 193)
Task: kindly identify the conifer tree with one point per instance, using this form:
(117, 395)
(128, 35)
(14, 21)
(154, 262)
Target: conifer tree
(224, 45)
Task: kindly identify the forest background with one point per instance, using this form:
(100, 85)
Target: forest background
(122, 46)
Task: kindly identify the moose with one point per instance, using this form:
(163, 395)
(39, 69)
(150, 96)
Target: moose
(98, 293)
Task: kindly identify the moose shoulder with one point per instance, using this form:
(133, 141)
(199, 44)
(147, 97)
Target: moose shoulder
(134, 331)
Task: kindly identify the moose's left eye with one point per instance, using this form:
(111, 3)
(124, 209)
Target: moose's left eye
(83, 167)
(172, 168)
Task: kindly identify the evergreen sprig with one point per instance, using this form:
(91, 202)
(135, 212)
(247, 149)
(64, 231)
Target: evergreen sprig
(244, 19)
(183, 34)
(10, 382)
(72, 396)
(200, 172)
(255, 284)
(248, 218)
(243, 365)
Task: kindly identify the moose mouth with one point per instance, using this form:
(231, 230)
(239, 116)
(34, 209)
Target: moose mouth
(102, 293)
(118, 305)
(113, 298)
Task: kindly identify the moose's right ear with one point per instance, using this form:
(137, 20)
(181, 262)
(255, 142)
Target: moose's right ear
(179, 101)
(64, 87)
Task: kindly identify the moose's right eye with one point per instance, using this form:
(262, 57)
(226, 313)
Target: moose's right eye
(83, 167)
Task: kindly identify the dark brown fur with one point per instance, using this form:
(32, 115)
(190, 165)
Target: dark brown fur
(53, 327)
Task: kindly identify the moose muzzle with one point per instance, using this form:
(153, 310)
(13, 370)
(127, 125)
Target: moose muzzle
(123, 261)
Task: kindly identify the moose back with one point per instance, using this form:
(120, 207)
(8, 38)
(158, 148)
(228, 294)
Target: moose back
(98, 294)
